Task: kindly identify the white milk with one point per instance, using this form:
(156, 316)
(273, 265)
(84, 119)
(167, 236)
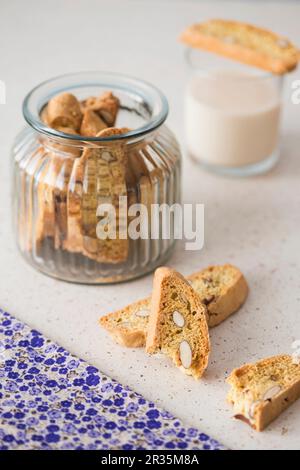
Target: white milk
(231, 118)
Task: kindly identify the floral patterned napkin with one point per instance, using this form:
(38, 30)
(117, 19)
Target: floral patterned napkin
(50, 399)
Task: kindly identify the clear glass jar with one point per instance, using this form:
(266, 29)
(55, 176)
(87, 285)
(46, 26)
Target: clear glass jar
(60, 180)
(232, 115)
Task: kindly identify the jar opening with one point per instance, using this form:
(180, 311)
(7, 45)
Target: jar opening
(141, 103)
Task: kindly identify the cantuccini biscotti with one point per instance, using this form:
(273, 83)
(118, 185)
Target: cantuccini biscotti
(260, 392)
(244, 43)
(177, 324)
(223, 289)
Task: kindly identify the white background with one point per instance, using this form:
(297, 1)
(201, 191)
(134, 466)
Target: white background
(253, 223)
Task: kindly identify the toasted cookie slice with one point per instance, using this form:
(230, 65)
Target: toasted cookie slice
(177, 323)
(260, 392)
(244, 43)
(128, 326)
(223, 289)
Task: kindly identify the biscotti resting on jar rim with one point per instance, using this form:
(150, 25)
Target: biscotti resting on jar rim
(233, 99)
(95, 145)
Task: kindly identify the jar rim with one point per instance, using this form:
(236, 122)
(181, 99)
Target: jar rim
(39, 96)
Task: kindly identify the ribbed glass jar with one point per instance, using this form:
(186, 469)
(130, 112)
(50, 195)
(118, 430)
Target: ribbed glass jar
(61, 180)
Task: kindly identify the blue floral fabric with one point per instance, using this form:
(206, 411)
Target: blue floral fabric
(50, 399)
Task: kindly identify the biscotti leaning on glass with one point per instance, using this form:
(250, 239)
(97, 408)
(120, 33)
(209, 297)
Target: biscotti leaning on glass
(244, 43)
(89, 158)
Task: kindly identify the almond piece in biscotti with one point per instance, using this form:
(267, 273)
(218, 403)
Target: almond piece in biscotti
(178, 319)
(144, 312)
(272, 392)
(64, 111)
(186, 354)
(107, 106)
(91, 124)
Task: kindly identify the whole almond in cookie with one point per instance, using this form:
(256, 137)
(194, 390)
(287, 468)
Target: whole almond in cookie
(178, 319)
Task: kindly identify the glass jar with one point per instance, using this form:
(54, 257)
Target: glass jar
(232, 115)
(61, 180)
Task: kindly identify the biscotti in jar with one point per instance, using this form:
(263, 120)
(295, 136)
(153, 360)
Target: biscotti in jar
(95, 148)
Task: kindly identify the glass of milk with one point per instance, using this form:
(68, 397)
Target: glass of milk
(232, 115)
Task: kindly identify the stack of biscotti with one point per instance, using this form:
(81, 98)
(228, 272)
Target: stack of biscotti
(244, 43)
(67, 211)
(260, 392)
(222, 289)
(175, 320)
(104, 170)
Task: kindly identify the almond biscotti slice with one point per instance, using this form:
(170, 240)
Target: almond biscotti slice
(177, 323)
(223, 289)
(260, 392)
(244, 43)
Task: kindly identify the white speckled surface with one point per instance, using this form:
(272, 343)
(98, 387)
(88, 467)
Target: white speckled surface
(254, 223)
